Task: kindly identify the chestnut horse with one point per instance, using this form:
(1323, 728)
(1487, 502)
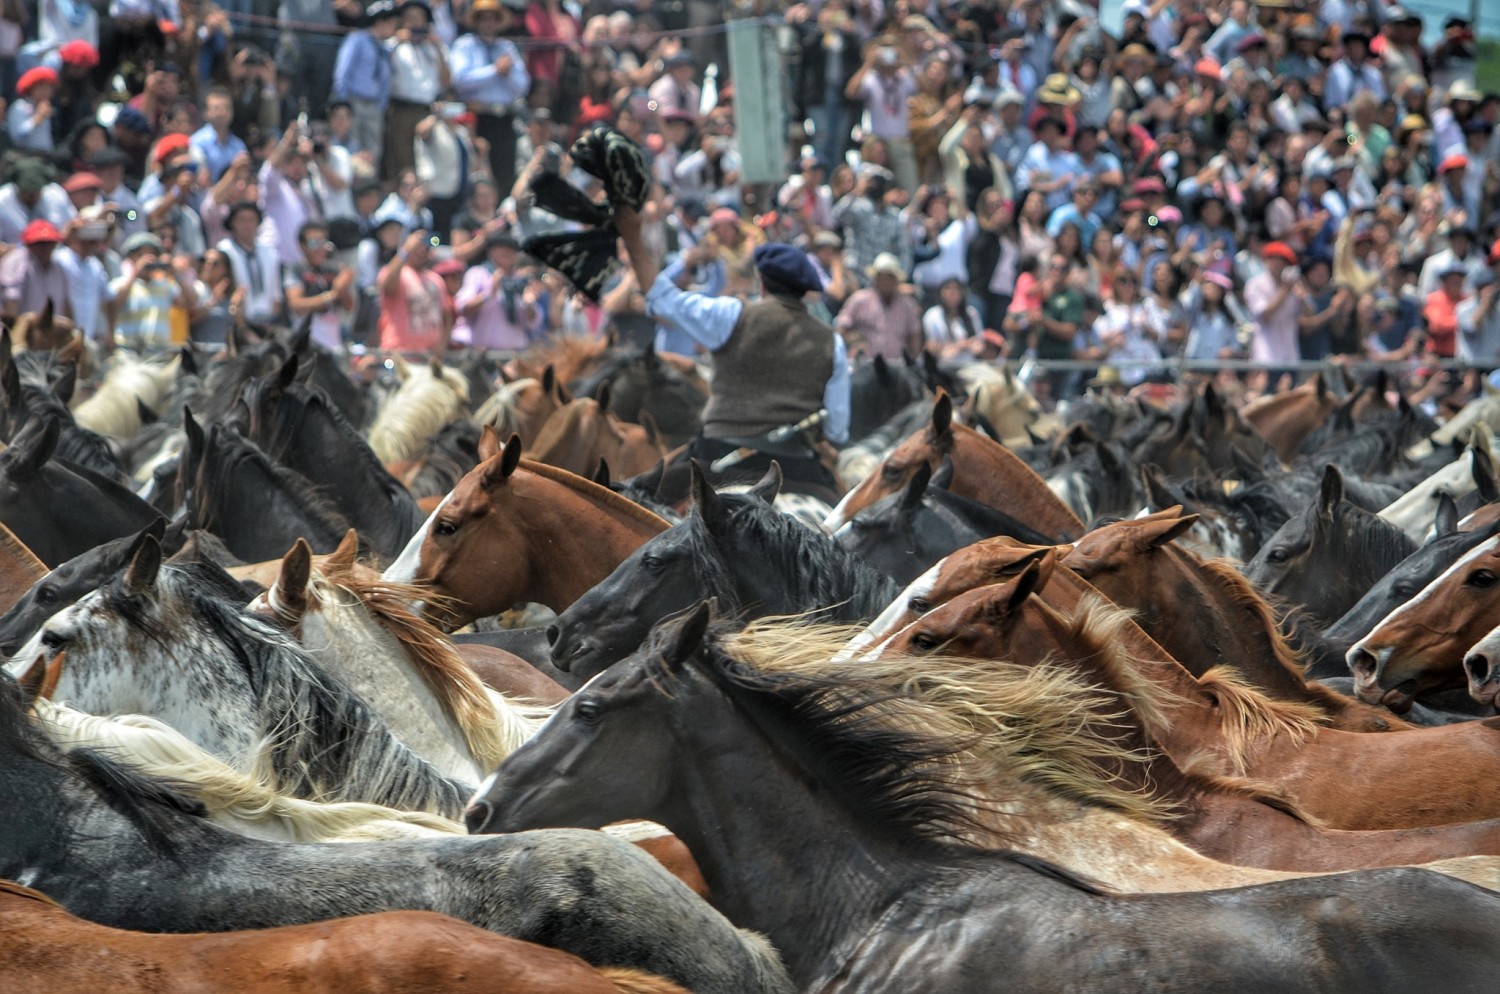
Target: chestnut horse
(19, 569)
(515, 531)
(1285, 420)
(1420, 646)
(582, 432)
(522, 406)
(1424, 776)
(1206, 614)
(1225, 818)
(48, 951)
(983, 470)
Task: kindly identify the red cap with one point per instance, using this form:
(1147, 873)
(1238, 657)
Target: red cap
(79, 53)
(169, 146)
(31, 77)
(1453, 162)
(1279, 250)
(82, 181)
(1495, 252)
(724, 215)
(40, 230)
(1150, 184)
(449, 267)
(1209, 68)
(993, 337)
(1132, 205)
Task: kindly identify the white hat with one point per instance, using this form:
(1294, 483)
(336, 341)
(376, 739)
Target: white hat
(885, 262)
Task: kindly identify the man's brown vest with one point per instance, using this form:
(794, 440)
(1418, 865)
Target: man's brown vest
(771, 372)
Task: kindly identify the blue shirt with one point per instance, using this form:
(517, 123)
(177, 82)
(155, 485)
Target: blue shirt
(214, 154)
(362, 70)
(710, 321)
(472, 60)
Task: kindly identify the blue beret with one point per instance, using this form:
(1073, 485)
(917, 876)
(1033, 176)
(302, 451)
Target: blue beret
(133, 120)
(788, 266)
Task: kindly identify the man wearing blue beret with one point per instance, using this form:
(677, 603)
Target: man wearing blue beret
(774, 363)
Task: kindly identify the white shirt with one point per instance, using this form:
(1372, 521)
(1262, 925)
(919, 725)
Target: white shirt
(53, 205)
(414, 71)
(88, 289)
(289, 206)
(259, 272)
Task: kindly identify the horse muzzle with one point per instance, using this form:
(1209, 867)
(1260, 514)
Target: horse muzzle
(1483, 673)
(1371, 676)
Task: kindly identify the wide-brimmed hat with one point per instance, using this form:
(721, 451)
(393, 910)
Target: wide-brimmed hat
(140, 240)
(1057, 90)
(1463, 89)
(885, 262)
(1106, 376)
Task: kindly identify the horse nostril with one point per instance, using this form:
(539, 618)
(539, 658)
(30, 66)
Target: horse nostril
(53, 640)
(1362, 663)
(553, 634)
(476, 816)
(1477, 666)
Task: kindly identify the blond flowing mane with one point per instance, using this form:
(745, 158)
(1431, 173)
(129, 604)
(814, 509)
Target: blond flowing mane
(113, 410)
(245, 802)
(492, 726)
(499, 409)
(594, 493)
(1249, 718)
(1037, 726)
(416, 412)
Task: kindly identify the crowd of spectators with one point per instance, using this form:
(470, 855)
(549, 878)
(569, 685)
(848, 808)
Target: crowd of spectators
(1280, 181)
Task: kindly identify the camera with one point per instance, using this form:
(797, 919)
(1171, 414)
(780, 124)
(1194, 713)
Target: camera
(552, 158)
(514, 284)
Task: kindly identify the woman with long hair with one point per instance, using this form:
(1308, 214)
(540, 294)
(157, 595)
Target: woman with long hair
(1031, 222)
(1214, 316)
(994, 256)
(951, 325)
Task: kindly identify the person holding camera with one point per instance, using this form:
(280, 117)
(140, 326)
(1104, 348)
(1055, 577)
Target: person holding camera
(490, 76)
(419, 75)
(150, 286)
(415, 310)
(498, 308)
(1274, 298)
(317, 289)
(255, 263)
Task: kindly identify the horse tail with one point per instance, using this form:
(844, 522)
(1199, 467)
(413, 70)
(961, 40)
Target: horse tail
(636, 982)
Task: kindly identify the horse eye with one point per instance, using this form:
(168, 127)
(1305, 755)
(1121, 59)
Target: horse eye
(442, 529)
(45, 595)
(1277, 555)
(1404, 591)
(587, 711)
(921, 605)
(891, 472)
(1482, 578)
(652, 564)
(924, 642)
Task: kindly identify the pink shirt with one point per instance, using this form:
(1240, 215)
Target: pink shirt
(412, 318)
(1275, 340)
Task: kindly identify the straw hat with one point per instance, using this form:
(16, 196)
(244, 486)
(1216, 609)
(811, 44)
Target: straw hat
(1057, 90)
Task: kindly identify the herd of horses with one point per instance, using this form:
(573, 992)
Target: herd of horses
(466, 679)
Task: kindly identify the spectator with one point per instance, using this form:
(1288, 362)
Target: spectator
(951, 327)
(1129, 333)
(173, 207)
(445, 156)
(885, 85)
(29, 195)
(415, 310)
(29, 118)
(1325, 310)
(362, 77)
(871, 221)
(1353, 73)
(89, 293)
(1048, 166)
(220, 302)
(148, 288)
(1441, 311)
(497, 308)
(214, 145)
(419, 75)
(30, 278)
(1273, 299)
(675, 90)
(318, 289)
(490, 75)
(254, 262)
(1479, 323)
(882, 319)
(285, 195)
(1214, 317)
(830, 56)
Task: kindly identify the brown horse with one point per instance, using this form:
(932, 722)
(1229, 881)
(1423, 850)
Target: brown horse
(515, 531)
(1207, 614)
(19, 569)
(1420, 646)
(1425, 776)
(983, 470)
(1286, 419)
(522, 406)
(582, 432)
(45, 950)
(1225, 818)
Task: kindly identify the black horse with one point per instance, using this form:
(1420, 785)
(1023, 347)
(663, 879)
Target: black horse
(754, 559)
(823, 811)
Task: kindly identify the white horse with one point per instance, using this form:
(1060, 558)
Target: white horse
(1413, 512)
(362, 629)
(131, 383)
(430, 397)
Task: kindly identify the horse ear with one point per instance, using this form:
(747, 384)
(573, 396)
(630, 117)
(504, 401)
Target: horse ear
(1159, 495)
(1446, 520)
(193, 430)
(435, 367)
(43, 323)
(942, 415)
(1031, 579)
(510, 458)
(682, 637)
(489, 443)
(1331, 492)
(31, 448)
(39, 681)
(1320, 386)
(1153, 534)
(601, 472)
(301, 339)
(601, 397)
(1212, 402)
(942, 477)
(63, 388)
(288, 372)
(653, 430)
(1381, 383)
(549, 380)
(1483, 469)
(144, 566)
(343, 558)
(769, 485)
(916, 487)
(1110, 463)
(651, 479)
(402, 367)
(145, 413)
(882, 369)
(288, 594)
(188, 365)
(706, 502)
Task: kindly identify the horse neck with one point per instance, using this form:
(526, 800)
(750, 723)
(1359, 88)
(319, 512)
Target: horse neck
(573, 542)
(841, 584)
(814, 900)
(352, 646)
(993, 475)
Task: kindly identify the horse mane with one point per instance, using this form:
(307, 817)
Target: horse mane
(414, 415)
(568, 355)
(312, 751)
(155, 749)
(620, 506)
(492, 726)
(229, 449)
(1100, 625)
(112, 409)
(19, 890)
(1371, 531)
(1249, 717)
(1017, 725)
(818, 573)
(628, 981)
(499, 409)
